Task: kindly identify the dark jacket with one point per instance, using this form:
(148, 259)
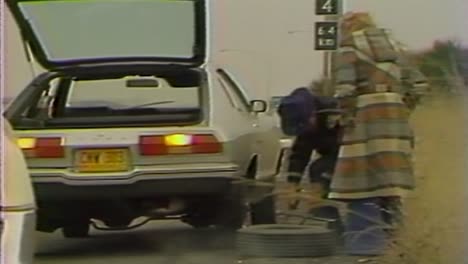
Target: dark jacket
(323, 140)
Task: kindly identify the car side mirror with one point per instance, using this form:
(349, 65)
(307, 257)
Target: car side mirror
(258, 106)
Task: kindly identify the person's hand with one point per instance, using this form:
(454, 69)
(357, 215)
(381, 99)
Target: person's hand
(292, 190)
(333, 121)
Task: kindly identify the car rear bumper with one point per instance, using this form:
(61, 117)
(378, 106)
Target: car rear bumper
(137, 174)
(18, 232)
(148, 181)
(181, 186)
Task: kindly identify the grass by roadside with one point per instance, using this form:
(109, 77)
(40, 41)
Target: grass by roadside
(436, 224)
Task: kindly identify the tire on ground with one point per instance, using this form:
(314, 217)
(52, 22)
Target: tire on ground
(286, 241)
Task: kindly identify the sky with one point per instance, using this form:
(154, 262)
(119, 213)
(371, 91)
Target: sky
(268, 60)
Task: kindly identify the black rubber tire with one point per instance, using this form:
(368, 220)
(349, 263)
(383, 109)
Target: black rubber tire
(263, 212)
(286, 241)
(232, 210)
(78, 229)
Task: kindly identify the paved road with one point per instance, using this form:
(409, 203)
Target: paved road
(159, 242)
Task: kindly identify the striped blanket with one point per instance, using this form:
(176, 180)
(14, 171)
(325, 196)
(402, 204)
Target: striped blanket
(375, 156)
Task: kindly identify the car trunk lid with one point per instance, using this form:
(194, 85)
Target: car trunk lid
(65, 35)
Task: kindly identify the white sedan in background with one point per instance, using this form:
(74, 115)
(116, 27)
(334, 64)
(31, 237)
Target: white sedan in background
(17, 203)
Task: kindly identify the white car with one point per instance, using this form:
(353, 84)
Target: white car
(132, 120)
(17, 204)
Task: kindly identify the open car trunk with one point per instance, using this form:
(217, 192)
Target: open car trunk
(67, 34)
(152, 97)
(112, 63)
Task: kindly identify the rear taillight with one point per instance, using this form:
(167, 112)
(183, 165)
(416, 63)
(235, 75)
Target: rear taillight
(179, 144)
(42, 147)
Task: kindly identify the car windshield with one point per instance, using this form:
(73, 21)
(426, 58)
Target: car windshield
(94, 29)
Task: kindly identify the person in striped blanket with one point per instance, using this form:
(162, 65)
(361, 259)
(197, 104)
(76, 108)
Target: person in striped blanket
(374, 162)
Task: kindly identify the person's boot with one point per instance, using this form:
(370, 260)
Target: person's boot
(330, 213)
(392, 215)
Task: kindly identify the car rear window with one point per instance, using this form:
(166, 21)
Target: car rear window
(170, 99)
(110, 97)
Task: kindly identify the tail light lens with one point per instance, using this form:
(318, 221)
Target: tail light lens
(42, 147)
(179, 144)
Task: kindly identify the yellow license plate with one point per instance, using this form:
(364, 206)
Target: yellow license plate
(102, 160)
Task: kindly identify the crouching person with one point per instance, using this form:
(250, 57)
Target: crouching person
(312, 120)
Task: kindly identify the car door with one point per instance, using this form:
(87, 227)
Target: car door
(265, 137)
(268, 143)
(241, 119)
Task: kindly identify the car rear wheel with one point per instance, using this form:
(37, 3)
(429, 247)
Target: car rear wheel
(263, 212)
(199, 219)
(232, 211)
(77, 229)
(198, 222)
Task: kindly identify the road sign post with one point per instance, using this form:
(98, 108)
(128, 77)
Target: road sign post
(327, 32)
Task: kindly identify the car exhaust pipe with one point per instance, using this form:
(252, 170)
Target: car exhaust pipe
(176, 206)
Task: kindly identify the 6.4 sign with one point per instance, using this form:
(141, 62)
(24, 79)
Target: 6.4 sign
(326, 35)
(327, 7)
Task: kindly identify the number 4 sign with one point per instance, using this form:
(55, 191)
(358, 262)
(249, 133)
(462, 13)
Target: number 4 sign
(326, 7)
